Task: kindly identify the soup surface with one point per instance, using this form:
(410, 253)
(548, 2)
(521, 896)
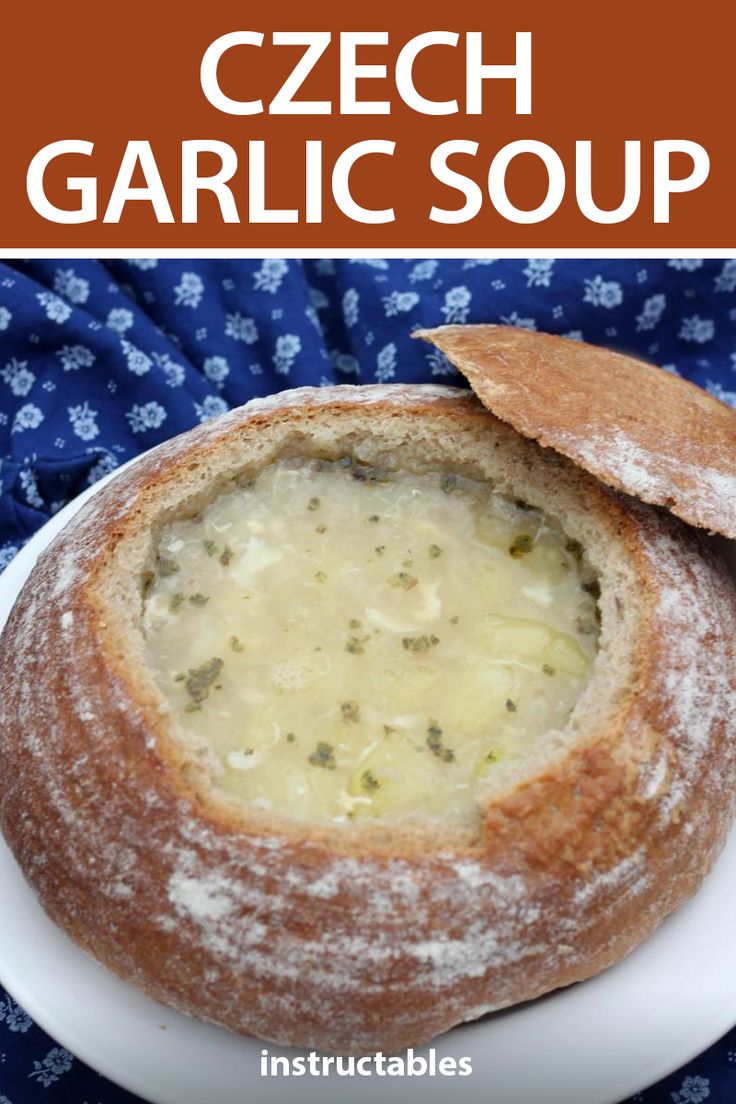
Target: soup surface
(357, 643)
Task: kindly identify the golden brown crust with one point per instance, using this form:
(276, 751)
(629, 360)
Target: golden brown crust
(638, 428)
(335, 939)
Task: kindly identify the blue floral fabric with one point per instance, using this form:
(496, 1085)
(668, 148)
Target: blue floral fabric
(100, 360)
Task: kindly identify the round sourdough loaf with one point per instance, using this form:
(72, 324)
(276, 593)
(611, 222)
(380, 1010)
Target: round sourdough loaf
(371, 935)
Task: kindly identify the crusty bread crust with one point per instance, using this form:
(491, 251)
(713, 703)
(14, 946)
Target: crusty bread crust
(640, 429)
(364, 937)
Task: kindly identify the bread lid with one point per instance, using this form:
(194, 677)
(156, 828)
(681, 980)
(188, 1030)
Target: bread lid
(636, 427)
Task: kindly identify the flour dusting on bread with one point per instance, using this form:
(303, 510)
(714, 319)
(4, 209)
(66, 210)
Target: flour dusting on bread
(360, 939)
(636, 427)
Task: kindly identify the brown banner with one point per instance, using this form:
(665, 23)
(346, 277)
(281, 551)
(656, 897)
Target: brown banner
(124, 86)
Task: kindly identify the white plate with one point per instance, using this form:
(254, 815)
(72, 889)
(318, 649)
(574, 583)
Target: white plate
(594, 1043)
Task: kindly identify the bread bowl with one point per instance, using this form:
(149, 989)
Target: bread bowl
(356, 933)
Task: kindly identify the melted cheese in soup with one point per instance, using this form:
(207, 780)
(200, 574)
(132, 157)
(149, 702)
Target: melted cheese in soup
(357, 643)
